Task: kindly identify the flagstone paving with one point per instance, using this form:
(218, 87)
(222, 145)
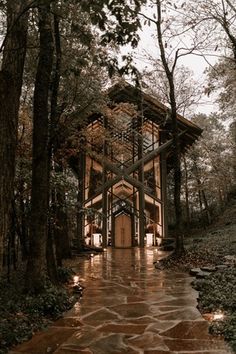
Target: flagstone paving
(129, 307)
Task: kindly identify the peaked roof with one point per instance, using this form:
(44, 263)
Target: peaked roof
(156, 111)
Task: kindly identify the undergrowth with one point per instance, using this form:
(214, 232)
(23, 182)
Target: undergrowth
(21, 315)
(217, 292)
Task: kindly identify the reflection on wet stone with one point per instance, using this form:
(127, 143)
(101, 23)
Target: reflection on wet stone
(132, 310)
(100, 316)
(153, 340)
(129, 307)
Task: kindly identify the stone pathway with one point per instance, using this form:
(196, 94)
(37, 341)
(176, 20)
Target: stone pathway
(129, 307)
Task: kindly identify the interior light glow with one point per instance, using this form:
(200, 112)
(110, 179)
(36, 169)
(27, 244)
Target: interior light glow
(76, 279)
(149, 240)
(97, 240)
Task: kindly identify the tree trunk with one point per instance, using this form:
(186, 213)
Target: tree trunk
(207, 210)
(11, 249)
(233, 132)
(50, 255)
(176, 144)
(200, 201)
(23, 229)
(202, 195)
(51, 258)
(61, 233)
(36, 267)
(10, 90)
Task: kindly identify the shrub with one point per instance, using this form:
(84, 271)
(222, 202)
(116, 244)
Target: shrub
(217, 292)
(65, 274)
(23, 314)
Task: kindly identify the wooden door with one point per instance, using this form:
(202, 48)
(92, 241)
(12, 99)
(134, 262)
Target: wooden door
(123, 231)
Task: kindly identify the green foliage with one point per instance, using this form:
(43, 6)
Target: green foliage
(209, 182)
(14, 330)
(21, 315)
(227, 328)
(217, 292)
(117, 19)
(65, 274)
(51, 303)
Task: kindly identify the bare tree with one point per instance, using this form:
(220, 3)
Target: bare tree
(218, 19)
(169, 55)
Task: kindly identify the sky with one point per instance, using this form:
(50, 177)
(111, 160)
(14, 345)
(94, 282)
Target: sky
(195, 63)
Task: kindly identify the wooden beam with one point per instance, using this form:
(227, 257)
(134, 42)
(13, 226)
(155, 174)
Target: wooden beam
(124, 173)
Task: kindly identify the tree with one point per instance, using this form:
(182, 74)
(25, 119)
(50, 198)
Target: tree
(169, 70)
(35, 274)
(13, 58)
(41, 154)
(117, 19)
(188, 90)
(23, 179)
(216, 18)
(164, 34)
(208, 177)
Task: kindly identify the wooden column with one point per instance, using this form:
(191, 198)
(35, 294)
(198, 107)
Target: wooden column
(80, 201)
(134, 196)
(104, 218)
(104, 192)
(164, 194)
(141, 217)
(141, 188)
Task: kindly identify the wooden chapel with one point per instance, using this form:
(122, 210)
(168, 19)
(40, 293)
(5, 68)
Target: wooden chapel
(123, 173)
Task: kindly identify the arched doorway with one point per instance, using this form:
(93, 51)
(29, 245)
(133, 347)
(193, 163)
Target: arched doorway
(123, 231)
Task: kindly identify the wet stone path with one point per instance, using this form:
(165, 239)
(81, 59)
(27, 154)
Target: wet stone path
(129, 307)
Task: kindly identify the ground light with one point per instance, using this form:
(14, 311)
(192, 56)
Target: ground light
(218, 316)
(214, 316)
(76, 279)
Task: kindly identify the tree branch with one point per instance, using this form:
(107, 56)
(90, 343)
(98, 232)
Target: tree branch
(231, 5)
(29, 6)
(147, 17)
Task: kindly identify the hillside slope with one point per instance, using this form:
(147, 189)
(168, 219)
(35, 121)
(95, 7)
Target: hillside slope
(214, 249)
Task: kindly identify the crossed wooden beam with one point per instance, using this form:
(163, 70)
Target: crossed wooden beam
(124, 173)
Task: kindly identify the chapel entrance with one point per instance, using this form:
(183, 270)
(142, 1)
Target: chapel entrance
(123, 237)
